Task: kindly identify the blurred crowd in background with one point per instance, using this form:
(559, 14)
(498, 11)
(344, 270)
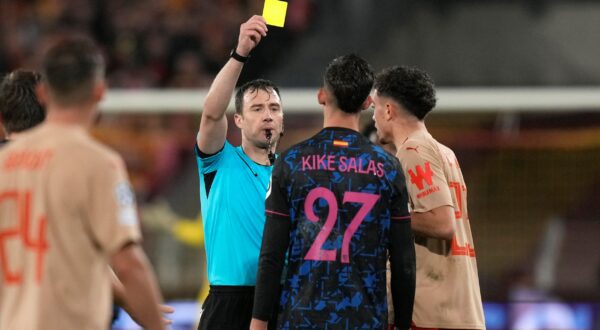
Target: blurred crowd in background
(148, 43)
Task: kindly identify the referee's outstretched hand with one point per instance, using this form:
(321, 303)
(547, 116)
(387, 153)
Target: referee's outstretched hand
(251, 32)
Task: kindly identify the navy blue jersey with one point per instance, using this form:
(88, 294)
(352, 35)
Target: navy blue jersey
(339, 193)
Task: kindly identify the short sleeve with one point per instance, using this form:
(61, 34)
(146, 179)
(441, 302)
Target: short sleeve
(209, 163)
(425, 180)
(112, 210)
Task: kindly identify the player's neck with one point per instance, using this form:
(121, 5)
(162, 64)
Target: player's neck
(14, 136)
(406, 128)
(338, 118)
(71, 116)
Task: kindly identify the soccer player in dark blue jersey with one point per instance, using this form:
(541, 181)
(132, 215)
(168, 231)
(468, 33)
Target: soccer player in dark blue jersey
(336, 210)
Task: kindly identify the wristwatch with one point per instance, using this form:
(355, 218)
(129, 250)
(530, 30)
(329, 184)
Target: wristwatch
(238, 57)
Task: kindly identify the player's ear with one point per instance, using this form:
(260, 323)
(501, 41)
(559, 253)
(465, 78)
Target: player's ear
(99, 91)
(322, 96)
(389, 113)
(367, 103)
(41, 92)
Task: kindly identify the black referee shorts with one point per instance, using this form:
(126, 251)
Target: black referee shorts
(229, 308)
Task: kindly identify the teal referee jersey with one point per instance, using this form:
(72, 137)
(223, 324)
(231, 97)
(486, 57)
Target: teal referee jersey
(232, 195)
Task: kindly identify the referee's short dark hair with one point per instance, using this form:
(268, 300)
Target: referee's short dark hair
(410, 87)
(71, 69)
(253, 86)
(19, 106)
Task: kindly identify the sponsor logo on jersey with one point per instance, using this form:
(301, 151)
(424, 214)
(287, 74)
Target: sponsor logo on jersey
(419, 176)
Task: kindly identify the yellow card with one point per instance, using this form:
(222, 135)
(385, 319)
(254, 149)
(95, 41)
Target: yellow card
(274, 12)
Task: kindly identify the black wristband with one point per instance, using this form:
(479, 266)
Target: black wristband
(238, 57)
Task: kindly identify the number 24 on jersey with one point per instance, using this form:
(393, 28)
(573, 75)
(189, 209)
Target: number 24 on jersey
(21, 232)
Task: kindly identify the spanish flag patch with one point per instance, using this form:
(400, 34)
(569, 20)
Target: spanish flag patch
(339, 143)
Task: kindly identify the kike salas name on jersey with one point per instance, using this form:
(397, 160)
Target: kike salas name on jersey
(342, 164)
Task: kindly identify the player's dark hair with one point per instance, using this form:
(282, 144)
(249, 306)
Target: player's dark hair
(410, 87)
(350, 79)
(71, 69)
(19, 106)
(253, 86)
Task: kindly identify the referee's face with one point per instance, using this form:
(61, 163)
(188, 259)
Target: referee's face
(262, 117)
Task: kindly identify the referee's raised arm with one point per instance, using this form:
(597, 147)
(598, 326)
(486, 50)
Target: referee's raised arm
(233, 183)
(213, 126)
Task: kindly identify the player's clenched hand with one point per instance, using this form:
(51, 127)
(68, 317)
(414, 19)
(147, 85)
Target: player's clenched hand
(251, 32)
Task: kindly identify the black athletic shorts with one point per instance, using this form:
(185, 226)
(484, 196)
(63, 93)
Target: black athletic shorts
(229, 308)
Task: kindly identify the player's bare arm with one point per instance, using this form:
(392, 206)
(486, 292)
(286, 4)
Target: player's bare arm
(213, 125)
(139, 286)
(119, 298)
(257, 324)
(436, 223)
